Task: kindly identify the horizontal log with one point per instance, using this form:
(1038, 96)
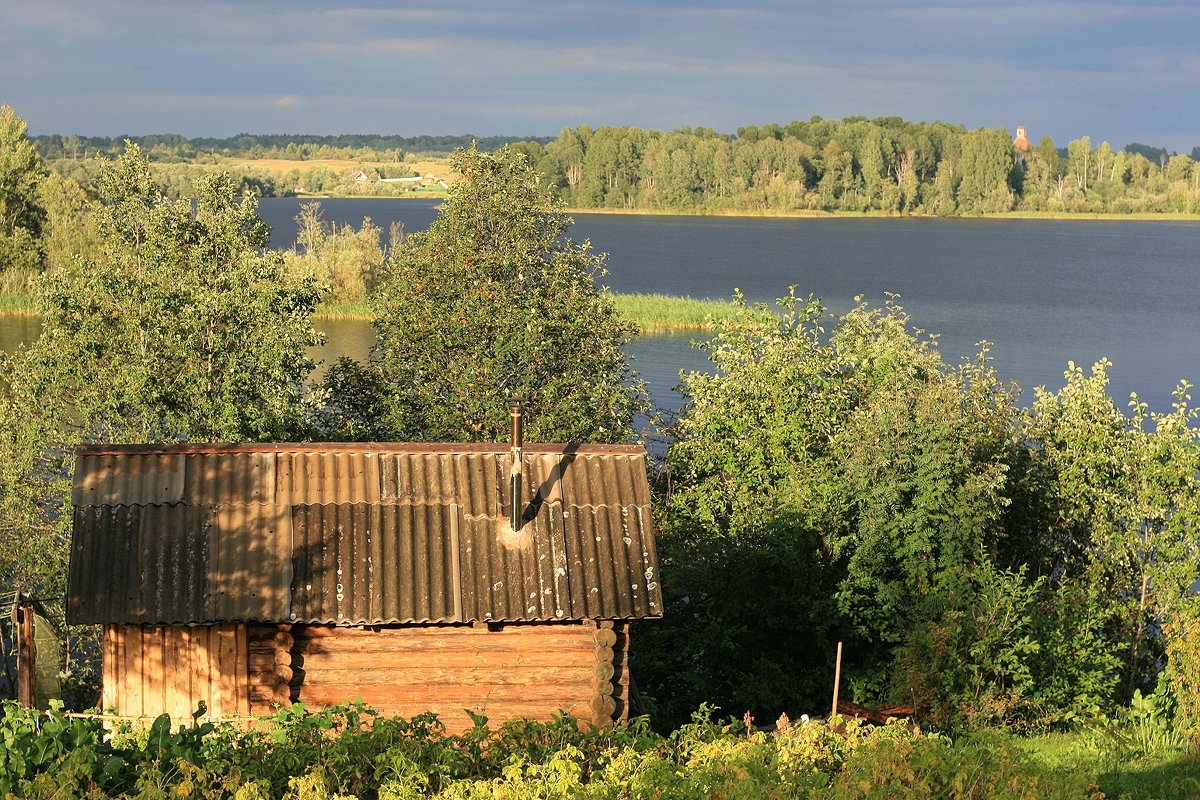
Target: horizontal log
(605, 637)
(580, 675)
(435, 631)
(603, 670)
(455, 639)
(442, 703)
(531, 660)
(382, 650)
(603, 654)
(261, 661)
(450, 695)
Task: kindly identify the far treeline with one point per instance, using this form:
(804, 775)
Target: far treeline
(885, 165)
(294, 146)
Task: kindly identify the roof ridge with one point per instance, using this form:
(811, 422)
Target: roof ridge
(430, 448)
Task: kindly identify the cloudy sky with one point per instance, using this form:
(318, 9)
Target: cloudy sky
(1115, 71)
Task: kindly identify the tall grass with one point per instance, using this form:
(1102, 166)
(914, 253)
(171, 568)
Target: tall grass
(16, 294)
(653, 313)
(662, 313)
(357, 309)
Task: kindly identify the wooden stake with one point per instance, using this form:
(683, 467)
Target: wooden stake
(26, 652)
(837, 680)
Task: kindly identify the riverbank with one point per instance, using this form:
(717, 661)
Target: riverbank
(652, 313)
(812, 214)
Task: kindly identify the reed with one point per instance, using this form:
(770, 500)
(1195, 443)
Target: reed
(355, 309)
(16, 303)
(662, 313)
(653, 313)
(16, 291)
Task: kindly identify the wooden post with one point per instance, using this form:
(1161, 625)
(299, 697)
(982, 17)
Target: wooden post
(837, 680)
(26, 651)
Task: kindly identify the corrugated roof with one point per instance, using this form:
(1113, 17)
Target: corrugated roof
(359, 534)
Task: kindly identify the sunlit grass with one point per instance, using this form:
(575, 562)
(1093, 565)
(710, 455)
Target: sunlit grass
(661, 313)
(1120, 771)
(358, 309)
(16, 303)
(653, 313)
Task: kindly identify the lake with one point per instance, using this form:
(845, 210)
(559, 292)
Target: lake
(1044, 292)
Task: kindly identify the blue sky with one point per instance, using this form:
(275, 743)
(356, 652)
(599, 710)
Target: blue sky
(1114, 71)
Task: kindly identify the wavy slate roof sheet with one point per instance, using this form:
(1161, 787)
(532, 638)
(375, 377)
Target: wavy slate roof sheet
(359, 534)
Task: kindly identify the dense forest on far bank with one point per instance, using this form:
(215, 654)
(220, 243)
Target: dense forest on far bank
(885, 165)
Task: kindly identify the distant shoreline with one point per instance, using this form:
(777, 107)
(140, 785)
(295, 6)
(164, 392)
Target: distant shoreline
(1062, 216)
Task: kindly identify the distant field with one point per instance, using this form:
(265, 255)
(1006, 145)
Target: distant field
(440, 169)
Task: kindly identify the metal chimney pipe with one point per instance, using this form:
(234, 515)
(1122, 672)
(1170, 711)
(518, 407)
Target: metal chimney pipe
(514, 472)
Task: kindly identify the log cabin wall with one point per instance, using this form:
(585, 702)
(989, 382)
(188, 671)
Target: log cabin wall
(501, 671)
(151, 670)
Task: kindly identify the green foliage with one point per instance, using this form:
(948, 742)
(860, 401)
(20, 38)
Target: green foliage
(491, 303)
(936, 767)
(343, 259)
(180, 327)
(868, 483)
(659, 312)
(345, 752)
(72, 226)
(1120, 505)
(984, 565)
(21, 213)
(857, 165)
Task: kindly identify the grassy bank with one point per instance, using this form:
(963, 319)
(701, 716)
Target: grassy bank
(1139, 216)
(653, 313)
(661, 313)
(359, 310)
(14, 303)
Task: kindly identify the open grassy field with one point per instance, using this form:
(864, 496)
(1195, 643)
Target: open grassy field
(282, 166)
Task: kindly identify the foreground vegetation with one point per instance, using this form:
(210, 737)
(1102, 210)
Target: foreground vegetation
(346, 752)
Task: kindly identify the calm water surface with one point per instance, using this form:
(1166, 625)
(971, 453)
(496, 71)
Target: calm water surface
(1043, 292)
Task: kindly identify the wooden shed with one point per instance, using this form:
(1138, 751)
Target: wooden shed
(253, 575)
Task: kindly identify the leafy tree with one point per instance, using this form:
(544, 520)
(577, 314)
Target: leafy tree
(341, 258)
(183, 327)
(1079, 154)
(1155, 155)
(491, 303)
(1121, 508)
(21, 215)
(72, 226)
(985, 167)
(861, 471)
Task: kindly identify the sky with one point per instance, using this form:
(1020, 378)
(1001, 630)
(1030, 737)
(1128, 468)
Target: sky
(1114, 71)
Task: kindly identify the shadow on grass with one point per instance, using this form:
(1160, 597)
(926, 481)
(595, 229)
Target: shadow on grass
(1177, 779)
